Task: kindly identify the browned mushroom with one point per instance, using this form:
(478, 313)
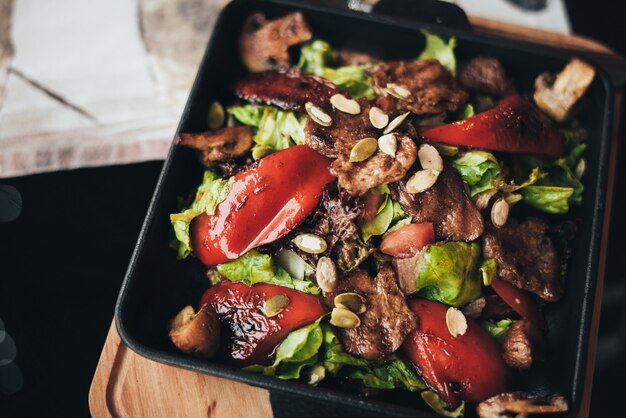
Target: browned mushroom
(264, 44)
(522, 345)
(196, 334)
(220, 145)
(520, 405)
(557, 96)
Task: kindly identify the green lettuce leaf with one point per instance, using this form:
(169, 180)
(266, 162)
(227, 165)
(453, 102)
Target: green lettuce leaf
(389, 212)
(255, 267)
(479, 169)
(488, 270)
(450, 273)
(210, 193)
(549, 199)
(437, 48)
(440, 407)
(315, 57)
(353, 79)
(497, 329)
(392, 373)
(467, 112)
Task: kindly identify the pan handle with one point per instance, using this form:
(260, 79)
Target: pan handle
(435, 12)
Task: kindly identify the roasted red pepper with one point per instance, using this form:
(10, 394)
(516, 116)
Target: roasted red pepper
(249, 336)
(513, 125)
(264, 203)
(467, 367)
(520, 301)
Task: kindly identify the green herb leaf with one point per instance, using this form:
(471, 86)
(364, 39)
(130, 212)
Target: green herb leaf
(440, 407)
(489, 270)
(497, 329)
(437, 48)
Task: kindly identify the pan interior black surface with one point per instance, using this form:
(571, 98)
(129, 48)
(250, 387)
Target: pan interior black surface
(157, 285)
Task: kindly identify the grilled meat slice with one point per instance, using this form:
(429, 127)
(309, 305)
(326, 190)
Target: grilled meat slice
(387, 320)
(288, 90)
(485, 75)
(264, 44)
(446, 204)
(526, 257)
(220, 145)
(337, 141)
(433, 89)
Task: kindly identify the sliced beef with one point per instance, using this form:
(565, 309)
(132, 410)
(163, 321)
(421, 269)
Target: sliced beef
(288, 90)
(446, 204)
(220, 145)
(337, 141)
(264, 44)
(433, 89)
(526, 257)
(387, 320)
(485, 75)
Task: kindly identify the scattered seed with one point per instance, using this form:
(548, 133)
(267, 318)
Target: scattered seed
(216, 116)
(398, 91)
(422, 181)
(318, 115)
(581, 167)
(310, 243)
(352, 302)
(317, 373)
(378, 118)
(345, 105)
(275, 305)
(429, 157)
(500, 212)
(482, 199)
(259, 152)
(447, 150)
(344, 318)
(388, 144)
(326, 274)
(456, 322)
(396, 122)
(363, 149)
(512, 199)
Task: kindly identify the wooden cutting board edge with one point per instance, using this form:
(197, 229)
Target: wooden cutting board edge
(128, 385)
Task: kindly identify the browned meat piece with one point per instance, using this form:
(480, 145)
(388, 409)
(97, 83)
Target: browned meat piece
(446, 204)
(485, 75)
(432, 88)
(264, 44)
(520, 405)
(289, 90)
(387, 320)
(337, 141)
(526, 257)
(220, 145)
(522, 345)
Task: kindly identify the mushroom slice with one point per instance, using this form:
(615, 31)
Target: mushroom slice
(264, 44)
(520, 405)
(220, 145)
(196, 334)
(558, 97)
(522, 345)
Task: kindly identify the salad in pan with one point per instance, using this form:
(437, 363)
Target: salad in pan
(378, 225)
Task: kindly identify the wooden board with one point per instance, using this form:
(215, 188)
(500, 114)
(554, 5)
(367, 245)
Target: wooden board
(128, 385)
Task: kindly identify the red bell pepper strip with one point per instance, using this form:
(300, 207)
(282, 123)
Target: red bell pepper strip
(513, 125)
(408, 239)
(264, 204)
(250, 336)
(468, 367)
(520, 300)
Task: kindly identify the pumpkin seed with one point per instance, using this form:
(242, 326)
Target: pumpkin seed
(429, 157)
(512, 199)
(378, 118)
(326, 274)
(422, 181)
(388, 144)
(310, 243)
(216, 116)
(318, 115)
(581, 167)
(275, 305)
(317, 373)
(259, 152)
(345, 105)
(456, 322)
(482, 199)
(447, 150)
(398, 91)
(396, 122)
(344, 318)
(500, 212)
(363, 149)
(352, 302)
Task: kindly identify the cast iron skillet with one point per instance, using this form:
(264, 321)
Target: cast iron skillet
(157, 285)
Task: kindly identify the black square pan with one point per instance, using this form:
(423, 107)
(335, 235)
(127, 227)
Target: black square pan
(157, 285)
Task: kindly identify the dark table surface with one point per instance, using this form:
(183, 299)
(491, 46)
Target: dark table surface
(62, 262)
